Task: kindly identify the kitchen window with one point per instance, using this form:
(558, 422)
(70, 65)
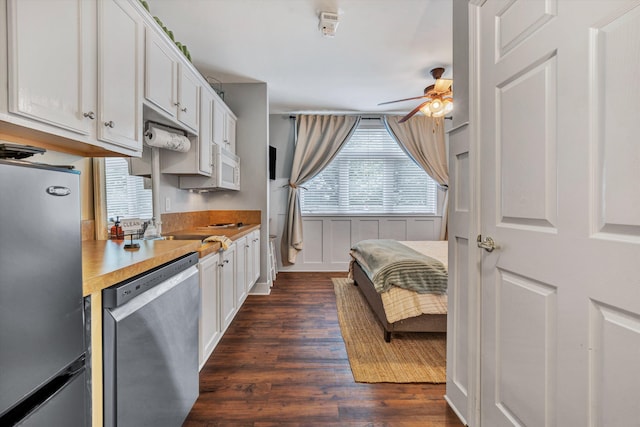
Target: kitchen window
(126, 196)
(370, 175)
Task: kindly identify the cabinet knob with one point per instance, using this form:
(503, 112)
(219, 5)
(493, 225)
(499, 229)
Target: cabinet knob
(91, 115)
(176, 104)
(110, 124)
(184, 110)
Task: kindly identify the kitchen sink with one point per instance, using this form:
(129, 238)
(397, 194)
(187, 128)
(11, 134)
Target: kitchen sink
(234, 225)
(185, 237)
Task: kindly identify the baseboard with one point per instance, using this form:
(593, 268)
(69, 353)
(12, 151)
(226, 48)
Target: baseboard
(261, 288)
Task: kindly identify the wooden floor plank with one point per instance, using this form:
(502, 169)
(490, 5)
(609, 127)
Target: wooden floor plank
(282, 362)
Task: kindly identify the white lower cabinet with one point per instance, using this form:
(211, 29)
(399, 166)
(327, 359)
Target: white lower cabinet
(248, 264)
(225, 280)
(254, 248)
(210, 330)
(241, 270)
(227, 286)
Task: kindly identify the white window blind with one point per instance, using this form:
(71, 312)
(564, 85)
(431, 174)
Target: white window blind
(371, 174)
(125, 194)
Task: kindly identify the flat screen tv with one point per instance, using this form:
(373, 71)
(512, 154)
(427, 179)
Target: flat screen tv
(272, 162)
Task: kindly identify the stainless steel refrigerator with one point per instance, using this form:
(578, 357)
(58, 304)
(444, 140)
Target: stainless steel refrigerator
(43, 379)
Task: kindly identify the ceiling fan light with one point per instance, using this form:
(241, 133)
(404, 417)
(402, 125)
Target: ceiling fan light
(425, 110)
(438, 114)
(435, 106)
(448, 105)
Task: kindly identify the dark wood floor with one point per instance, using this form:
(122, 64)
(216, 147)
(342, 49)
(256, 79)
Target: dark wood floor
(282, 362)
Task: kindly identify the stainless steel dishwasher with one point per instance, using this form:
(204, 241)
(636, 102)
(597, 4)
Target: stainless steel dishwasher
(150, 337)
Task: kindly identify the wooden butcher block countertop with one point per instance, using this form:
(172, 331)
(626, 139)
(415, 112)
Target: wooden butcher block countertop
(106, 262)
(199, 233)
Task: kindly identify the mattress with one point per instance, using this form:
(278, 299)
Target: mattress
(402, 303)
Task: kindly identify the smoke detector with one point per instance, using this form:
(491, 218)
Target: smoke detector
(328, 23)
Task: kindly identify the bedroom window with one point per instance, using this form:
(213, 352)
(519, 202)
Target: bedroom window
(370, 175)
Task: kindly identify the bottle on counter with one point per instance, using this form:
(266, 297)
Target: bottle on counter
(116, 230)
(151, 231)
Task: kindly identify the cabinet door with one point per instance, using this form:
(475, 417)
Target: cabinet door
(241, 270)
(188, 98)
(120, 55)
(227, 286)
(205, 136)
(161, 74)
(210, 330)
(230, 133)
(255, 249)
(219, 118)
(249, 262)
(51, 52)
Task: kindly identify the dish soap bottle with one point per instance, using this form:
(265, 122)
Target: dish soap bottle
(116, 230)
(151, 231)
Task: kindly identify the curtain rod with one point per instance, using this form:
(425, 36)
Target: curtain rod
(362, 118)
(377, 118)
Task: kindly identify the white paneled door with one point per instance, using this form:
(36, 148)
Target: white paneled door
(560, 167)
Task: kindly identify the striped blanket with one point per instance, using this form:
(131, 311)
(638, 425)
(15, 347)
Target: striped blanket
(390, 263)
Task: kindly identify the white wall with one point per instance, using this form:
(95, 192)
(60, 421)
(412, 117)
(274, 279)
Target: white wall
(327, 239)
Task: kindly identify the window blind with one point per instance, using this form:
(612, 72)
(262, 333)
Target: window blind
(125, 194)
(371, 174)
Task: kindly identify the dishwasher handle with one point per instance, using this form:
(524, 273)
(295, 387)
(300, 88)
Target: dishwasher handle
(125, 291)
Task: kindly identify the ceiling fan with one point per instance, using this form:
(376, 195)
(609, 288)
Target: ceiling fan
(439, 98)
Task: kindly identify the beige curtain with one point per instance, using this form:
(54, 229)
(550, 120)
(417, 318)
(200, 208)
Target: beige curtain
(319, 138)
(422, 138)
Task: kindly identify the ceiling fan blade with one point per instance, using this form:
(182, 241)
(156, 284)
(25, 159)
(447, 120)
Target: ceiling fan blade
(443, 85)
(413, 112)
(400, 100)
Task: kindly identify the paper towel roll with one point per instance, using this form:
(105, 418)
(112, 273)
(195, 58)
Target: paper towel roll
(167, 140)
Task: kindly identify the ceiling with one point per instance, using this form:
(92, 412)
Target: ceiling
(383, 49)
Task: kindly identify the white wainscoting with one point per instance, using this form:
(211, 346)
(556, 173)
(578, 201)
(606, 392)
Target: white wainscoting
(327, 239)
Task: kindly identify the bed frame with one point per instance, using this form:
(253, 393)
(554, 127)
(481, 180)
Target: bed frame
(422, 323)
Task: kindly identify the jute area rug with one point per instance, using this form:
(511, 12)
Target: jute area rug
(408, 358)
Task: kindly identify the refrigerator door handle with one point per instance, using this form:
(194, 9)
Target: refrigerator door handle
(43, 394)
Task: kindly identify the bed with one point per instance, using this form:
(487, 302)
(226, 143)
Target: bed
(397, 308)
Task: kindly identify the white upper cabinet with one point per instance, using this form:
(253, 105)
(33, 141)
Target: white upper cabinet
(230, 130)
(75, 72)
(161, 74)
(120, 78)
(51, 53)
(188, 98)
(205, 160)
(198, 160)
(171, 87)
(224, 126)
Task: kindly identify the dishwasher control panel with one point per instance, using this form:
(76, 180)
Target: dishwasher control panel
(123, 292)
